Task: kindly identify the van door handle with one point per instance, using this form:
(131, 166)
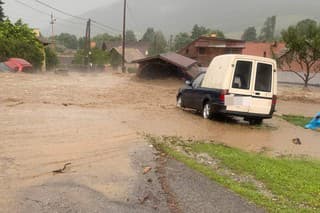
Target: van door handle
(258, 93)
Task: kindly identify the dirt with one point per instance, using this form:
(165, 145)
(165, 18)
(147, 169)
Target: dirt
(96, 121)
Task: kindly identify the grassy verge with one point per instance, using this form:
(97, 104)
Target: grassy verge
(297, 119)
(277, 184)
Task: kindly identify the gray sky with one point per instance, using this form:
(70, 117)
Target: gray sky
(15, 10)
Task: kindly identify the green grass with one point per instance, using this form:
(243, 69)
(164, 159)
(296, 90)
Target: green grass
(294, 182)
(297, 120)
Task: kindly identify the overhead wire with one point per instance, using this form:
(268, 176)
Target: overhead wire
(47, 14)
(77, 17)
(132, 17)
(60, 11)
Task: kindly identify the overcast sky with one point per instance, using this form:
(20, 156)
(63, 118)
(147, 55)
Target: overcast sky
(14, 9)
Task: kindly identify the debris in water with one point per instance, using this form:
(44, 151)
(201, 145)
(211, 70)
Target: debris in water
(314, 123)
(296, 141)
(59, 171)
(146, 170)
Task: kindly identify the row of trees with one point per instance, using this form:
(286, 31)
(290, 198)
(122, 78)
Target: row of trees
(2, 16)
(267, 32)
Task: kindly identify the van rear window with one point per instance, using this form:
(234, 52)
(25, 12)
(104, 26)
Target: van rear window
(242, 75)
(263, 77)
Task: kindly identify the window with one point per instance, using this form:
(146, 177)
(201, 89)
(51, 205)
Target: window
(263, 77)
(202, 50)
(198, 81)
(242, 75)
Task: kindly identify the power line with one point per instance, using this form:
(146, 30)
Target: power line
(76, 17)
(106, 26)
(132, 17)
(47, 14)
(60, 11)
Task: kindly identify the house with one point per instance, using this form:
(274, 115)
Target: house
(44, 43)
(142, 46)
(265, 49)
(131, 54)
(205, 48)
(278, 51)
(168, 64)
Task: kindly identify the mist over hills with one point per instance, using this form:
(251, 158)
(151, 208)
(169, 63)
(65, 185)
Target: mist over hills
(174, 16)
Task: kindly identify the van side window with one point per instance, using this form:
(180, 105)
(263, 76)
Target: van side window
(242, 75)
(198, 81)
(263, 77)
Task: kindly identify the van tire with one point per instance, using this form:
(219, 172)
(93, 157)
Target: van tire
(255, 121)
(207, 111)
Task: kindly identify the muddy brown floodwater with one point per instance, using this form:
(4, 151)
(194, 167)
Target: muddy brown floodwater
(95, 121)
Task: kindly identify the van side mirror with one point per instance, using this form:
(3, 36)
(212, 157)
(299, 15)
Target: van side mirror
(188, 83)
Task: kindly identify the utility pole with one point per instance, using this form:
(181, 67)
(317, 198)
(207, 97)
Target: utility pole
(52, 22)
(124, 36)
(87, 44)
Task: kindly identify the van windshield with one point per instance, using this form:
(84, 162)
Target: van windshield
(242, 75)
(263, 77)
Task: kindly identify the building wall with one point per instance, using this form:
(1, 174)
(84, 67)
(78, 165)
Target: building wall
(203, 51)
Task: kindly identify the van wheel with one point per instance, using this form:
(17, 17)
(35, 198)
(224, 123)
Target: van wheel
(255, 121)
(207, 111)
(179, 102)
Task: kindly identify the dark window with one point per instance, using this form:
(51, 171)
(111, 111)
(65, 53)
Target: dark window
(263, 77)
(242, 75)
(187, 51)
(202, 50)
(198, 81)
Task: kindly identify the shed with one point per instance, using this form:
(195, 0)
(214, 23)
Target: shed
(168, 64)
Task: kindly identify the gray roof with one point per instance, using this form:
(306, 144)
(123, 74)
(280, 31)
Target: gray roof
(173, 58)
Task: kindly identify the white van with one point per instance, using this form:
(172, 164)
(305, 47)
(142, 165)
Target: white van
(240, 85)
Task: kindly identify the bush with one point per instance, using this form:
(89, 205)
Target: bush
(97, 57)
(18, 40)
(51, 58)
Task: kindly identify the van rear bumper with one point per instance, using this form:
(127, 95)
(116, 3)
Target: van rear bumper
(218, 108)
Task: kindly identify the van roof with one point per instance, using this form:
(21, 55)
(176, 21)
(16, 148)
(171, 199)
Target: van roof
(246, 57)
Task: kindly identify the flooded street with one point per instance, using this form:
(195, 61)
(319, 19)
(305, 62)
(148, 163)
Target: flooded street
(97, 121)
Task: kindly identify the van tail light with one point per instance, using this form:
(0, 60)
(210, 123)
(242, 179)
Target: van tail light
(274, 100)
(223, 93)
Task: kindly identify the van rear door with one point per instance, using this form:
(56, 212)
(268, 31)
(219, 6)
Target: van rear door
(262, 89)
(240, 92)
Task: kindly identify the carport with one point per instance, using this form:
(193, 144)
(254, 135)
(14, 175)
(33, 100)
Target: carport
(168, 65)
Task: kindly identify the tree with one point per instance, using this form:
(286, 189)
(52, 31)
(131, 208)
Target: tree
(51, 58)
(130, 36)
(148, 35)
(218, 33)
(303, 44)
(268, 30)
(18, 40)
(97, 57)
(158, 45)
(198, 31)
(2, 16)
(250, 34)
(67, 40)
(181, 40)
(104, 38)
